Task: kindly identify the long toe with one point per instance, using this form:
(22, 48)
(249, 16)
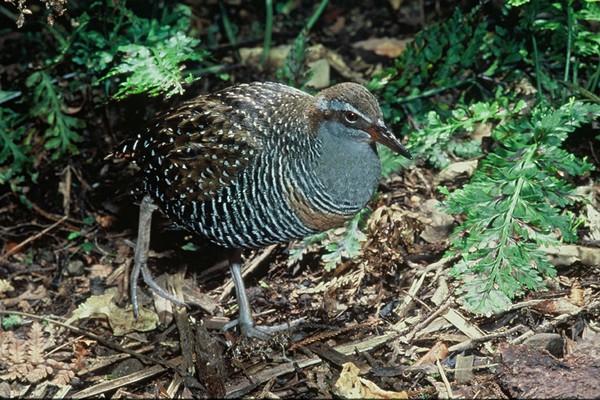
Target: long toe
(252, 330)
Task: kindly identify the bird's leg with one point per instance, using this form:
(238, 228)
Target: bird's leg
(245, 320)
(140, 258)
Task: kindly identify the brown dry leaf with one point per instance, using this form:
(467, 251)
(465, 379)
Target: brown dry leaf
(100, 271)
(577, 294)
(38, 372)
(38, 343)
(14, 372)
(277, 55)
(320, 77)
(338, 25)
(455, 170)
(481, 131)
(39, 293)
(524, 87)
(27, 359)
(566, 255)
(64, 188)
(13, 349)
(464, 368)
(62, 377)
(593, 221)
(105, 221)
(120, 320)
(5, 286)
(81, 350)
(439, 351)
(557, 307)
(392, 232)
(386, 47)
(353, 280)
(438, 224)
(351, 386)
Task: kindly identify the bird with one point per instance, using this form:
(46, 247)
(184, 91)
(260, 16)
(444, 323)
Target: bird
(257, 164)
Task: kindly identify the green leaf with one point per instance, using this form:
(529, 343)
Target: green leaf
(513, 207)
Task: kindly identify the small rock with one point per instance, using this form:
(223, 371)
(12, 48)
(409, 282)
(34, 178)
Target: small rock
(127, 367)
(552, 342)
(75, 268)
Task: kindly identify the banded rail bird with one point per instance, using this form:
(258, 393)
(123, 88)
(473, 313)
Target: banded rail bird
(257, 164)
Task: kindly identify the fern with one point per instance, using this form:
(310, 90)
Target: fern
(340, 243)
(14, 147)
(442, 138)
(152, 62)
(295, 70)
(454, 58)
(515, 204)
(48, 105)
(28, 359)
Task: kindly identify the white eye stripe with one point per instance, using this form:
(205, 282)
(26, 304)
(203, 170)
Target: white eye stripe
(337, 105)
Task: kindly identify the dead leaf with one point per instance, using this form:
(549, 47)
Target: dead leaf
(105, 221)
(351, 386)
(524, 87)
(100, 271)
(577, 294)
(453, 171)
(121, 320)
(481, 131)
(5, 286)
(338, 25)
(439, 351)
(557, 307)
(593, 221)
(566, 255)
(438, 225)
(320, 74)
(64, 188)
(464, 368)
(39, 293)
(386, 47)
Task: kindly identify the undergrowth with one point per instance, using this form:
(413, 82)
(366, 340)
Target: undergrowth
(534, 84)
(34, 359)
(515, 205)
(106, 53)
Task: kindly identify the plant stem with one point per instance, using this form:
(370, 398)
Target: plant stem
(268, 31)
(569, 45)
(538, 71)
(315, 17)
(229, 28)
(507, 228)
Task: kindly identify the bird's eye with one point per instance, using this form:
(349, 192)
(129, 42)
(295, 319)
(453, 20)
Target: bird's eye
(350, 117)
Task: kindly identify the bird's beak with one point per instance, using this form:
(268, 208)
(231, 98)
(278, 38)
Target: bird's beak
(387, 138)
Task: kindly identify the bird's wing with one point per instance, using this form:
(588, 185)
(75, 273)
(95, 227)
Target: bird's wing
(202, 146)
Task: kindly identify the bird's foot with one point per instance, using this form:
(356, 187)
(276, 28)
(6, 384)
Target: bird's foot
(140, 258)
(251, 330)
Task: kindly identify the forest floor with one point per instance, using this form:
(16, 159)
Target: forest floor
(385, 324)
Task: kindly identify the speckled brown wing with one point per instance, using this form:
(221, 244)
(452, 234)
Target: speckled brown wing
(193, 151)
(202, 146)
(199, 163)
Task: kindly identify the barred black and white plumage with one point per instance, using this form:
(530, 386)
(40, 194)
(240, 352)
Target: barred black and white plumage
(263, 163)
